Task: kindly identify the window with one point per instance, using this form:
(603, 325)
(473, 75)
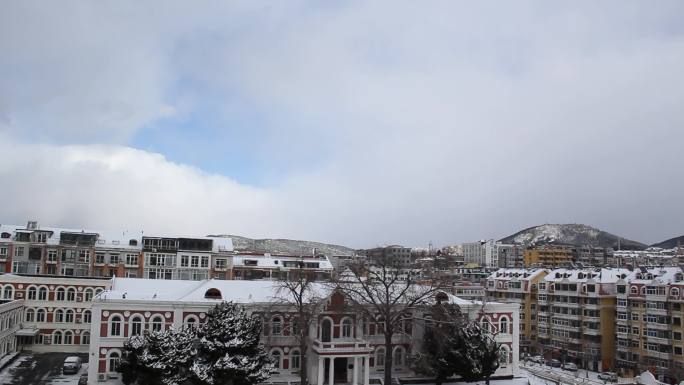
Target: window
(157, 324)
(30, 315)
(19, 251)
(60, 294)
(678, 350)
(58, 315)
(85, 338)
(68, 337)
(503, 325)
(57, 338)
(205, 261)
(40, 315)
(634, 290)
(3, 252)
(99, 258)
(622, 302)
(221, 263)
(276, 326)
(115, 326)
(52, 255)
(191, 322)
(113, 361)
(380, 357)
(87, 317)
(69, 316)
(113, 259)
(398, 357)
(194, 261)
(42, 294)
(136, 326)
(71, 294)
(31, 293)
(87, 295)
(132, 259)
(185, 260)
(295, 359)
(276, 357)
(84, 256)
(346, 328)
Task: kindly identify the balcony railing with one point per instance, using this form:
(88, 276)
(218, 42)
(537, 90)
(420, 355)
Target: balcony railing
(350, 345)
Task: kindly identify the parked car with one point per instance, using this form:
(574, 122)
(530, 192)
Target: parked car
(570, 366)
(608, 376)
(72, 365)
(537, 359)
(83, 380)
(554, 363)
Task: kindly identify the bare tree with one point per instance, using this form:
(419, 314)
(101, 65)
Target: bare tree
(298, 290)
(386, 293)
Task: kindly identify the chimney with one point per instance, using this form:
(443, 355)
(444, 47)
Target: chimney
(32, 225)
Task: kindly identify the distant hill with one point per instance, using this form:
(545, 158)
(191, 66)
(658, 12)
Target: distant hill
(570, 234)
(285, 246)
(670, 243)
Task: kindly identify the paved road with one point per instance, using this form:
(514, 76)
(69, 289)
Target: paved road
(40, 369)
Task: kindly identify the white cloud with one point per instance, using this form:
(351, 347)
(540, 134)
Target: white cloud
(450, 122)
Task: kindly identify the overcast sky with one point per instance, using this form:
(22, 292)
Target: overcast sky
(360, 123)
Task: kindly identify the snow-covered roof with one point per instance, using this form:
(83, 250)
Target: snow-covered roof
(604, 275)
(138, 289)
(274, 262)
(105, 239)
(517, 274)
(660, 275)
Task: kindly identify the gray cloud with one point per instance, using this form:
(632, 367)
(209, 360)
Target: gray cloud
(444, 123)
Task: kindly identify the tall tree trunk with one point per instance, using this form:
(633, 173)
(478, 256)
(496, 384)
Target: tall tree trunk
(388, 354)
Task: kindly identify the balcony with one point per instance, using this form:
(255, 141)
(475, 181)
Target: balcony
(341, 346)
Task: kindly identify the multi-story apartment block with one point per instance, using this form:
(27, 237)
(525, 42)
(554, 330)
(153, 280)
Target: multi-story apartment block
(595, 256)
(649, 323)
(56, 310)
(195, 258)
(576, 315)
(549, 256)
(344, 347)
(510, 256)
(267, 266)
(519, 286)
(11, 315)
(398, 256)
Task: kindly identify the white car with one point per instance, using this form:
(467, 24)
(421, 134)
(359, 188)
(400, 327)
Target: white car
(570, 366)
(608, 376)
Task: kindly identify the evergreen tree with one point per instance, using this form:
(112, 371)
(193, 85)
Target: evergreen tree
(476, 353)
(223, 350)
(439, 343)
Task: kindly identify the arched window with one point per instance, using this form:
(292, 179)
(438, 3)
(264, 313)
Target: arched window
(326, 330)
(115, 326)
(68, 337)
(346, 328)
(277, 358)
(43, 294)
(30, 315)
(503, 325)
(191, 321)
(276, 326)
(113, 361)
(213, 294)
(88, 295)
(87, 317)
(31, 293)
(157, 323)
(71, 294)
(633, 290)
(674, 292)
(69, 316)
(57, 338)
(85, 338)
(60, 294)
(295, 359)
(136, 325)
(380, 357)
(485, 324)
(58, 315)
(8, 292)
(98, 291)
(40, 315)
(398, 357)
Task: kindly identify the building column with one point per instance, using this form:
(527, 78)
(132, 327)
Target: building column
(355, 378)
(321, 370)
(366, 370)
(331, 370)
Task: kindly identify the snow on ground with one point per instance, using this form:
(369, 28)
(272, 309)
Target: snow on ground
(7, 375)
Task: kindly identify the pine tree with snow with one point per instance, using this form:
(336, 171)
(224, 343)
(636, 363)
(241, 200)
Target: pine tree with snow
(476, 353)
(440, 341)
(227, 349)
(144, 359)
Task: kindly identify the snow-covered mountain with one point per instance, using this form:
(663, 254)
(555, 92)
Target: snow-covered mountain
(570, 234)
(286, 246)
(670, 243)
